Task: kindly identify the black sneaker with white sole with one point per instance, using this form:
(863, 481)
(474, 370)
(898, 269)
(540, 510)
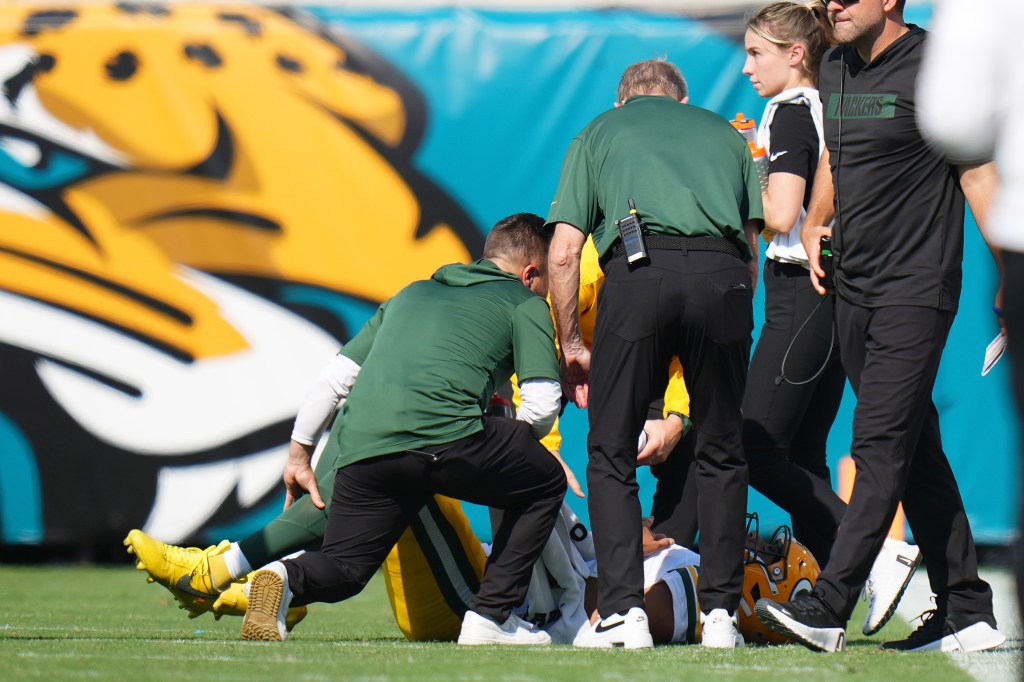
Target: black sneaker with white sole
(806, 619)
(941, 633)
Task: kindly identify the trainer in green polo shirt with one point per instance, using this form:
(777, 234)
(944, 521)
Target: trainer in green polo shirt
(433, 354)
(673, 195)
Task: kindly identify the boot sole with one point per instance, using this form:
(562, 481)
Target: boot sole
(260, 623)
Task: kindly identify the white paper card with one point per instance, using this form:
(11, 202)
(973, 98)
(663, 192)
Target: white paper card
(993, 353)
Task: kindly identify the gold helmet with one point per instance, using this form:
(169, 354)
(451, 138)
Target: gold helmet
(779, 569)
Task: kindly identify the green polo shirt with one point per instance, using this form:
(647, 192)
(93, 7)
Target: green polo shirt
(686, 168)
(432, 356)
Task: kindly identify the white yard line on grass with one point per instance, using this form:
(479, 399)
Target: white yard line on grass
(1001, 665)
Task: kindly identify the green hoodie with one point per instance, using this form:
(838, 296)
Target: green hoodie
(432, 356)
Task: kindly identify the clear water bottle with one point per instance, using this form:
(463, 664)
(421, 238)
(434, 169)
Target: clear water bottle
(747, 127)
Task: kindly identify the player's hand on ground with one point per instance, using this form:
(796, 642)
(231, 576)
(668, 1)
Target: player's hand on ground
(299, 477)
(570, 477)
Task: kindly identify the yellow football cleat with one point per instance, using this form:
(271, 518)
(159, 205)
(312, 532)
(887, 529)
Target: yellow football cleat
(233, 602)
(185, 571)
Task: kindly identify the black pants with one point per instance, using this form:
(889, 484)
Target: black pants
(674, 506)
(891, 355)
(1013, 314)
(375, 499)
(786, 425)
(696, 305)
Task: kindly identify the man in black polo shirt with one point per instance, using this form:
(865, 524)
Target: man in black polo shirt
(694, 185)
(898, 245)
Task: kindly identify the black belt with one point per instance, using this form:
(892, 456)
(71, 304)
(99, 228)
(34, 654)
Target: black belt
(671, 242)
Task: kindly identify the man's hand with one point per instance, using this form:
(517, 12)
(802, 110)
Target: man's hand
(652, 543)
(576, 375)
(299, 477)
(662, 437)
(810, 237)
(570, 477)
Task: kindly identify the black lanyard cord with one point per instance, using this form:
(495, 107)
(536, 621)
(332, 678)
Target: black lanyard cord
(831, 344)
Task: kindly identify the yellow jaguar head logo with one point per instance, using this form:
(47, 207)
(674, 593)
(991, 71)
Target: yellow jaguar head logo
(197, 204)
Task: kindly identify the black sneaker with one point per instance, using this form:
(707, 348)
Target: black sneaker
(806, 619)
(939, 633)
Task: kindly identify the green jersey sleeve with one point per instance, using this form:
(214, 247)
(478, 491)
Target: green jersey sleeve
(359, 347)
(533, 341)
(752, 206)
(576, 198)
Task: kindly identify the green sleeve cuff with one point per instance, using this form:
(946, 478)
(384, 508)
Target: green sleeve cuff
(687, 424)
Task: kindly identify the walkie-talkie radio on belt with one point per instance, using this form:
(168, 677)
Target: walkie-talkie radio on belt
(631, 229)
(826, 262)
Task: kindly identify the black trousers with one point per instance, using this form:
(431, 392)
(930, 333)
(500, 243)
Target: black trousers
(674, 506)
(1013, 314)
(786, 424)
(374, 500)
(891, 355)
(697, 305)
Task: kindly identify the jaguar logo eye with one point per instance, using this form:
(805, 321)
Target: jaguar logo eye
(122, 66)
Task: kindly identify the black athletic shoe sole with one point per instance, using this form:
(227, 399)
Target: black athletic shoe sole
(827, 640)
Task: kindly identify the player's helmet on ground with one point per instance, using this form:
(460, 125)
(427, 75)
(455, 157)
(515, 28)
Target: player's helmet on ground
(778, 569)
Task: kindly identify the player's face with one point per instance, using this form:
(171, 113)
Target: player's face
(768, 65)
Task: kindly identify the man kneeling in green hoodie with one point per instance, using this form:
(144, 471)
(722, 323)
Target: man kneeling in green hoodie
(413, 426)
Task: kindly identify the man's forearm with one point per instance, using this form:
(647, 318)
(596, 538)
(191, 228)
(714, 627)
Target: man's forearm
(541, 401)
(822, 209)
(331, 387)
(751, 230)
(564, 275)
(979, 183)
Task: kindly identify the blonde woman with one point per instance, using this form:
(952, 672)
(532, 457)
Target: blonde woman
(796, 381)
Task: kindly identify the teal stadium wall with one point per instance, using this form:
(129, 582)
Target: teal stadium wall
(498, 96)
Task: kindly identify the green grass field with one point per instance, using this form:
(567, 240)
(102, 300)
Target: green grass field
(74, 623)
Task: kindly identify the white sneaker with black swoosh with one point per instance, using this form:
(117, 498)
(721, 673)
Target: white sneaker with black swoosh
(626, 630)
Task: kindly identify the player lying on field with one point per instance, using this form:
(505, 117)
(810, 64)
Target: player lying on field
(433, 571)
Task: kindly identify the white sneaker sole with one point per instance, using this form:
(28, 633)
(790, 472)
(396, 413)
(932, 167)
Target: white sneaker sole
(482, 640)
(977, 637)
(870, 628)
(828, 640)
(589, 640)
(731, 643)
(633, 644)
